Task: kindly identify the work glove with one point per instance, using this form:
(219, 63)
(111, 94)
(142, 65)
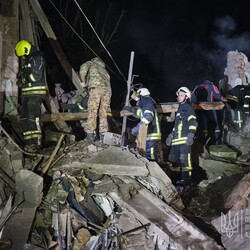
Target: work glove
(127, 108)
(169, 139)
(135, 130)
(190, 139)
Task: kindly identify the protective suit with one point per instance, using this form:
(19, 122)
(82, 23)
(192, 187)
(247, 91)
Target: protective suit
(147, 112)
(33, 90)
(182, 136)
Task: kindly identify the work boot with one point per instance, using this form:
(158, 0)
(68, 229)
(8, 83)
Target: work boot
(32, 148)
(101, 135)
(90, 137)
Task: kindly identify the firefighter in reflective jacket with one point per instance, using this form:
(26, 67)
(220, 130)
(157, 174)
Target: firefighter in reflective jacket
(239, 100)
(30, 79)
(182, 136)
(147, 111)
(207, 119)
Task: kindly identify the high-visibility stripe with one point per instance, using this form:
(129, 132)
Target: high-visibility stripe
(192, 127)
(35, 92)
(34, 88)
(144, 120)
(32, 78)
(152, 156)
(150, 112)
(191, 117)
(32, 134)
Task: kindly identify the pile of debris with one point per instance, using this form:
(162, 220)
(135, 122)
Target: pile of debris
(92, 196)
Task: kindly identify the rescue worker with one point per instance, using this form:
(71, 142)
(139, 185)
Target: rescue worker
(239, 102)
(147, 112)
(207, 119)
(96, 78)
(182, 136)
(31, 81)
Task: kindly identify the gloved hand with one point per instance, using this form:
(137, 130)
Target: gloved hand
(134, 131)
(169, 139)
(190, 139)
(127, 108)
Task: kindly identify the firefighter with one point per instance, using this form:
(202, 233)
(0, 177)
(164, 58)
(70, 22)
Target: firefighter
(182, 136)
(31, 81)
(239, 101)
(147, 112)
(207, 119)
(96, 78)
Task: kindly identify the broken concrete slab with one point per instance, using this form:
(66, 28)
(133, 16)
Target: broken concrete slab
(165, 222)
(113, 161)
(216, 166)
(31, 185)
(223, 151)
(238, 197)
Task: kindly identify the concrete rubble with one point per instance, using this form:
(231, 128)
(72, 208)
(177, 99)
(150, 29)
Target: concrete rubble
(92, 195)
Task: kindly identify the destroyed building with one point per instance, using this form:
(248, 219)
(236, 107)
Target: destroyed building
(102, 195)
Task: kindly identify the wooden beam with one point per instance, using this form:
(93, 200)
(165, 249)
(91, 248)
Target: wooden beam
(56, 45)
(64, 117)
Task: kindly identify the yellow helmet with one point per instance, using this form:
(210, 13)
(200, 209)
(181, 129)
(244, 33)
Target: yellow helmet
(23, 48)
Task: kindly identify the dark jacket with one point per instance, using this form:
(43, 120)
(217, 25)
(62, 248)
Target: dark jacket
(206, 92)
(32, 74)
(148, 114)
(185, 122)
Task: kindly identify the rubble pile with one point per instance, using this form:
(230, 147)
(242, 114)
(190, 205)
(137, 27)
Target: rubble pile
(93, 195)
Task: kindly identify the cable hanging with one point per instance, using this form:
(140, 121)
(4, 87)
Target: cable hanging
(86, 42)
(79, 7)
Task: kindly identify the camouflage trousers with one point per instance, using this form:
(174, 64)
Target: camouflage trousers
(98, 105)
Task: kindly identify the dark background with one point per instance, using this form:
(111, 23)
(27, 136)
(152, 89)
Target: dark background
(176, 42)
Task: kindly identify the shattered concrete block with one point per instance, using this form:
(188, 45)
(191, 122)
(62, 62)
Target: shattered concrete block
(31, 184)
(17, 160)
(222, 151)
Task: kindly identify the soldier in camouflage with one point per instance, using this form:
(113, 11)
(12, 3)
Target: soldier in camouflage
(96, 78)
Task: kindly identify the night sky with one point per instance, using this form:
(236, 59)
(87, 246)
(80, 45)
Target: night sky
(176, 42)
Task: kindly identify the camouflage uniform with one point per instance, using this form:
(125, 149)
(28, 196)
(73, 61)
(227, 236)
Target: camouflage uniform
(98, 81)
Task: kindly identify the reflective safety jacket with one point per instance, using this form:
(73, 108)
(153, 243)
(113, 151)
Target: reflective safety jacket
(148, 114)
(185, 122)
(206, 92)
(32, 73)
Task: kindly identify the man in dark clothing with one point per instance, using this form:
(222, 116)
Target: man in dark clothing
(207, 119)
(147, 112)
(33, 89)
(182, 136)
(239, 101)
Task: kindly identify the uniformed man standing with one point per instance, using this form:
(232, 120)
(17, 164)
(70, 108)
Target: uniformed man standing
(96, 78)
(182, 136)
(33, 89)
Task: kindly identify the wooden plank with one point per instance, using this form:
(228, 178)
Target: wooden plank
(64, 117)
(141, 139)
(56, 45)
(172, 107)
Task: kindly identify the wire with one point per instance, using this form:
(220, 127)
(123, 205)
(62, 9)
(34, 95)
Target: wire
(86, 43)
(100, 40)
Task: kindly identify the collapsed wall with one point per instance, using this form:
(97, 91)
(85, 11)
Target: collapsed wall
(238, 69)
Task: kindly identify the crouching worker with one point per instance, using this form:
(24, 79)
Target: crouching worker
(147, 112)
(182, 136)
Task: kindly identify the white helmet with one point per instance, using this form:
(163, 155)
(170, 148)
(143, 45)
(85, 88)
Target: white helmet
(143, 92)
(184, 90)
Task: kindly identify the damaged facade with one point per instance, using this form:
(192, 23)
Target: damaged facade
(80, 195)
